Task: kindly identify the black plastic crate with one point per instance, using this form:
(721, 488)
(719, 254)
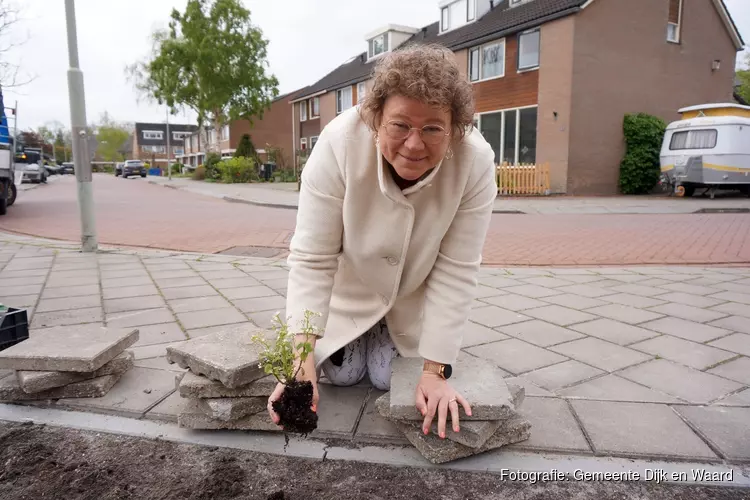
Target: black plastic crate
(14, 328)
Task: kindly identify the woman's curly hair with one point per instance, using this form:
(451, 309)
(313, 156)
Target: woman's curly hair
(427, 73)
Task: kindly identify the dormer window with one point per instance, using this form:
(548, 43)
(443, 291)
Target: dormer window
(378, 45)
(387, 38)
(157, 135)
(456, 14)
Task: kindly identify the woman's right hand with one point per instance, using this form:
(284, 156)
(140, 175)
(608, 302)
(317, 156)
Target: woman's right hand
(306, 373)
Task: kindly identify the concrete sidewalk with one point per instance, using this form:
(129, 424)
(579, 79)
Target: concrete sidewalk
(648, 363)
(285, 195)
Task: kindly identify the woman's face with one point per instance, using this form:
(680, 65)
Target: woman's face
(411, 153)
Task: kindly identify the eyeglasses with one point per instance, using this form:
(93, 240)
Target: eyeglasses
(431, 134)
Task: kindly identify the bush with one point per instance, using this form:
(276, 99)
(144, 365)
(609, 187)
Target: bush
(212, 160)
(199, 173)
(238, 169)
(640, 169)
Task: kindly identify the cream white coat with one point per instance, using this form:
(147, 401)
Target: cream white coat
(363, 249)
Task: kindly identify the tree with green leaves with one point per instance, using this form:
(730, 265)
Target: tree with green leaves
(211, 60)
(744, 77)
(245, 148)
(110, 137)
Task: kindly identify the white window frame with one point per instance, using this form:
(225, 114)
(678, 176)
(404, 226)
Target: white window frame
(303, 111)
(678, 26)
(446, 23)
(361, 91)
(480, 50)
(153, 135)
(303, 143)
(313, 141)
(225, 132)
(539, 52)
(313, 101)
(517, 140)
(383, 43)
(340, 105)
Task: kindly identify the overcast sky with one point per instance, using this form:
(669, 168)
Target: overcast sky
(307, 39)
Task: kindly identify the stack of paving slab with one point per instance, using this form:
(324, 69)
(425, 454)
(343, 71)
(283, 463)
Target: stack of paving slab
(224, 387)
(494, 422)
(82, 361)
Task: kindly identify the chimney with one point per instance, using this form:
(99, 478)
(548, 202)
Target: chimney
(492, 4)
(424, 31)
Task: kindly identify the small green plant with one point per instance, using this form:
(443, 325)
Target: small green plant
(639, 169)
(237, 170)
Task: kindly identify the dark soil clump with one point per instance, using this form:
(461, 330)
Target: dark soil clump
(294, 408)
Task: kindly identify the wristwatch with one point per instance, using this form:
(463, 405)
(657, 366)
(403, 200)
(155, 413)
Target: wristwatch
(443, 370)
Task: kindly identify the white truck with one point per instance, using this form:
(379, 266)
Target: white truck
(8, 190)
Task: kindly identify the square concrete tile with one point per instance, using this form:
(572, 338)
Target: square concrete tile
(213, 317)
(129, 291)
(691, 288)
(87, 279)
(513, 302)
(738, 342)
(228, 283)
(501, 282)
(677, 380)
(187, 292)
(639, 429)
(113, 306)
(553, 427)
(735, 323)
(562, 374)
(137, 390)
(516, 356)
(558, 315)
(475, 334)
(688, 353)
(733, 308)
(153, 351)
(591, 291)
(276, 284)
(265, 319)
(82, 302)
(159, 334)
(742, 298)
(626, 314)
(199, 304)
(169, 408)
(690, 313)
(177, 273)
(741, 398)
(24, 289)
(19, 300)
(165, 283)
(637, 301)
(637, 289)
(201, 332)
(603, 355)
(725, 428)
(28, 280)
(540, 333)
(690, 299)
(493, 316)
(339, 409)
(72, 291)
(573, 301)
(250, 292)
(374, 427)
(582, 278)
(484, 291)
(218, 275)
(547, 282)
(261, 304)
(614, 331)
(138, 318)
(738, 370)
(655, 282)
(67, 317)
(530, 387)
(533, 291)
(689, 330)
(614, 388)
(159, 363)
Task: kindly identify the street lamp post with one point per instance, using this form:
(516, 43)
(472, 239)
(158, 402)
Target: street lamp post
(81, 161)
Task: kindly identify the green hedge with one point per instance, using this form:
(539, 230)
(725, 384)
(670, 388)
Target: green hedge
(238, 169)
(640, 168)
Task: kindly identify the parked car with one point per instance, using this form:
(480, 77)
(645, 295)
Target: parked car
(32, 172)
(53, 169)
(68, 168)
(132, 167)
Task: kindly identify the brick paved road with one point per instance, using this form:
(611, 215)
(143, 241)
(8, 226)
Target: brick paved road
(133, 212)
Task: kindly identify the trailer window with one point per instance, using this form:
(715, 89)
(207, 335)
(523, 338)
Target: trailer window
(694, 139)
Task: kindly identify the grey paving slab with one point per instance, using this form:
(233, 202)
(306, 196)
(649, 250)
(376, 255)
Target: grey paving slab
(165, 283)
(734, 287)
(655, 282)
(530, 388)
(137, 391)
(582, 278)
(688, 312)
(726, 428)
(737, 370)
(553, 426)
(10, 390)
(126, 281)
(475, 334)
(516, 356)
(82, 302)
(738, 342)
(562, 374)
(232, 408)
(250, 292)
(159, 334)
(477, 380)
(230, 356)
(124, 273)
(22, 289)
(258, 304)
(72, 291)
(38, 381)
(613, 388)
(688, 353)
(169, 408)
(574, 301)
(501, 282)
(690, 299)
(493, 316)
(78, 349)
(680, 381)
(192, 417)
(226, 274)
(735, 323)
(129, 291)
(559, 315)
(19, 300)
(374, 427)
(692, 288)
(688, 330)
(67, 317)
(140, 318)
(639, 429)
(603, 355)
(187, 292)
(29, 280)
(339, 409)
(614, 331)
(113, 306)
(23, 274)
(90, 278)
(742, 298)
(198, 304)
(194, 386)
(177, 273)
(733, 308)
(638, 289)
(586, 290)
(270, 275)
(546, 281)
(533, 291)
(740, 398)
(276, 284)
(625, 314)
(540, 333)
(211, 317)
(159, 363)
(513, 302)
(484, 291)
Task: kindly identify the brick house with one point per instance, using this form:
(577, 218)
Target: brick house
(553, 79)
(149, 141)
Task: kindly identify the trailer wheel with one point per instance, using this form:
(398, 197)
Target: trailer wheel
(679, 191)
(3, 197)
(12, 194)
(689, 191)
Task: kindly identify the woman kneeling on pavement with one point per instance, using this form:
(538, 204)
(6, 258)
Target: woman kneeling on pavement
(394, 208)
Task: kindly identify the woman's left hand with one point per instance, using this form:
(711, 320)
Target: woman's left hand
(434, 394)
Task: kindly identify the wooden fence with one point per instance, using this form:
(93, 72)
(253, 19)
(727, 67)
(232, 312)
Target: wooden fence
(525, 178)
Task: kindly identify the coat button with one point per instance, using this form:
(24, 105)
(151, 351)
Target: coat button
(392, 261)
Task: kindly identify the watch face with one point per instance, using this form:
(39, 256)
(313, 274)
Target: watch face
(447, 371)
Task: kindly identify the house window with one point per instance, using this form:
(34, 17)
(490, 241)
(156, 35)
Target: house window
(487, 61)
(315, 107)
(343, 99)
(512, 134)
(225, 133)
(361, 91)
(457, 14)
(303, 143)
(694, 139)
(303, 111)
(673, 23)
(378, 45)
(313, 141)
(157, 135)
(178, 136)
(528, 50)
(471, 8)
(154, 149)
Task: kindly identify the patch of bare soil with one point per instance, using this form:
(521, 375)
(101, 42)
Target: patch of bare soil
(47, 462)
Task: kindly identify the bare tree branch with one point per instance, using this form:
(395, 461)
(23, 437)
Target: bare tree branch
(10, 76)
